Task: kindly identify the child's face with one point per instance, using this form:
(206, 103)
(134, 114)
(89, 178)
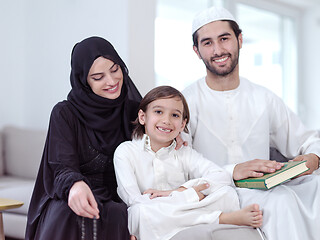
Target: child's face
(163, 121)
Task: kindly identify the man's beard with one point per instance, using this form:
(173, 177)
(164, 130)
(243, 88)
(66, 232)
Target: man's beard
(225, 72)
(217, 71)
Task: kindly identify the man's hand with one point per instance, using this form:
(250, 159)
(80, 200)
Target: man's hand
(312, 162)
(255, 168)
(154, 193)
(82, 201)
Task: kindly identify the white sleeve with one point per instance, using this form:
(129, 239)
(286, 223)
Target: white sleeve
(229, 169)
(288, 134)
(128, 188)
(202, 170)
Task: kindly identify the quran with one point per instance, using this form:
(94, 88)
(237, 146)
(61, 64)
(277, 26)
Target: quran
(270, 180)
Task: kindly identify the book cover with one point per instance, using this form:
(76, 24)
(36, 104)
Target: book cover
(270, 180)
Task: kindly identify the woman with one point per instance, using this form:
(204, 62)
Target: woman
(75, 192)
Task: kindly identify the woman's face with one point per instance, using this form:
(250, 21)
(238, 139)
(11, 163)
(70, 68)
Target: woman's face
(105, 78)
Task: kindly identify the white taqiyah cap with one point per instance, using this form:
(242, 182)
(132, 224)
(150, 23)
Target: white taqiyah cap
(210, 15)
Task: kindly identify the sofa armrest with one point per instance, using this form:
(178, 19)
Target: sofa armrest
(1, 154)
(276, 155)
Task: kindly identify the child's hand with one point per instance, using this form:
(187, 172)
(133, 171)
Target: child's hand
(200, 188)
(154, 193)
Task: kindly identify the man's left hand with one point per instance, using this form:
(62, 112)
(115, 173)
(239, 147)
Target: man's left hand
(312, 162)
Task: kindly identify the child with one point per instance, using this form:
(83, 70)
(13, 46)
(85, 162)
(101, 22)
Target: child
(168, 190)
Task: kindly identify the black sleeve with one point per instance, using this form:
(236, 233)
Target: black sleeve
(61, 158)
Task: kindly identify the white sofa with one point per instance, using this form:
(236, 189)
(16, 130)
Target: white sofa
(20, 155)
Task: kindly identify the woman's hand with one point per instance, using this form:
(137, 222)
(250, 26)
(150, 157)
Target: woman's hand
(180, 142)
(82, 201)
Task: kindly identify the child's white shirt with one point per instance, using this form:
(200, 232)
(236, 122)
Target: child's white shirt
(138, 168)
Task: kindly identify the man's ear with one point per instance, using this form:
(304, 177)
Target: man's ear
(240, 40)
(141, 117)
(195, 49)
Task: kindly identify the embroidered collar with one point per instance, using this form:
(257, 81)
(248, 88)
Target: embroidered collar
(163, 151)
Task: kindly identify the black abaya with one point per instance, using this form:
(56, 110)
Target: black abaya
(80, 146)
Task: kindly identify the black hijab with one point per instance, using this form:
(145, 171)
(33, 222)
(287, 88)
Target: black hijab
(108, 121)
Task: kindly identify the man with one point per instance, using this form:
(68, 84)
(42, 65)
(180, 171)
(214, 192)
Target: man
(235, 122)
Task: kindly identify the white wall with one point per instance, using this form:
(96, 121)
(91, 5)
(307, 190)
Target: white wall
(12, 62)
(36, 42)
(141, 43)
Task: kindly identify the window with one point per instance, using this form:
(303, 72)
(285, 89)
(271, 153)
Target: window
(176, 63)
(268, 40)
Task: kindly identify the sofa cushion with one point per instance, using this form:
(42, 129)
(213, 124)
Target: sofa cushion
(219, 232)
(17, 189)
(22, 151)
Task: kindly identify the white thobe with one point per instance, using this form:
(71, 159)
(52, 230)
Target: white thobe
(138, 168)
(230, 127)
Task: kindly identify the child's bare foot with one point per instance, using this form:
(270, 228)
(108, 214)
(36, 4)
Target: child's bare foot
(248, 216)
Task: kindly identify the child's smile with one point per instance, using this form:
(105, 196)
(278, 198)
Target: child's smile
(162, 129)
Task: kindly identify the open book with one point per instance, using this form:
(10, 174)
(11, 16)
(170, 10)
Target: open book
(269, 180)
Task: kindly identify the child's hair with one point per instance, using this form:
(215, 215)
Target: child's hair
(155, 94)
